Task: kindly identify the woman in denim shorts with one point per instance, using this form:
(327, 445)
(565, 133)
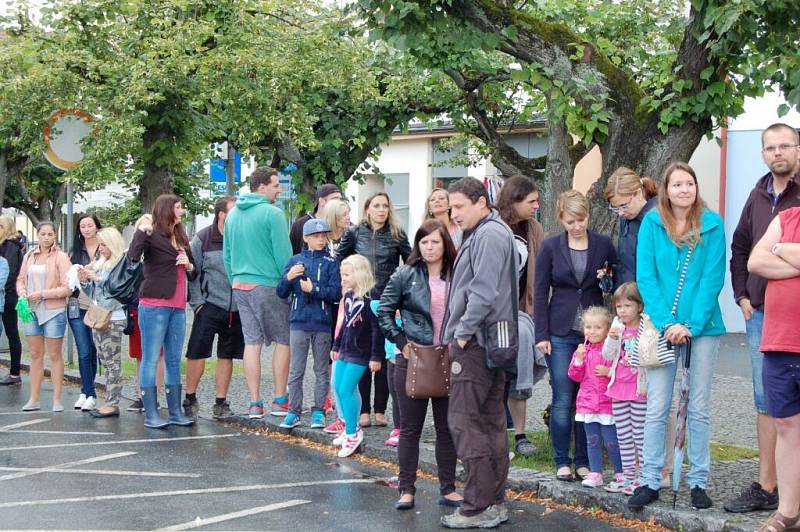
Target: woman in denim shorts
(43, 281)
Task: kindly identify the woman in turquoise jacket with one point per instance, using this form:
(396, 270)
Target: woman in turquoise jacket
(681, 221)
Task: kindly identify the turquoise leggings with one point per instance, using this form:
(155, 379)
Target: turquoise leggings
(345, 381)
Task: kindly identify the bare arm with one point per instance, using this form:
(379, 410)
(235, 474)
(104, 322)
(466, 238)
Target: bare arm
(790, 252)
(765, 263)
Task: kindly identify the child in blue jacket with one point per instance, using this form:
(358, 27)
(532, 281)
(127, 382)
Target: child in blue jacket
(311, 279)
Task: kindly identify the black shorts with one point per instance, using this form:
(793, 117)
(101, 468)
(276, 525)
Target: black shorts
(210, 321)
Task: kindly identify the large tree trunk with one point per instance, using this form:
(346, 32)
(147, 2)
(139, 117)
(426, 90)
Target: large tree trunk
(557, 175)
(157, 179)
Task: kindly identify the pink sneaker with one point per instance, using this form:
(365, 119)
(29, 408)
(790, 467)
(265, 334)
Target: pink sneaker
(593, 480)
(337, 427)
(394, 438)
(351, 443)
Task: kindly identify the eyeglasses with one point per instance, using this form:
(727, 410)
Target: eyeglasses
(780, 147)
(620, 208)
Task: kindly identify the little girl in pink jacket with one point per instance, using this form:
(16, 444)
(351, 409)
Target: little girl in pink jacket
(593, 406)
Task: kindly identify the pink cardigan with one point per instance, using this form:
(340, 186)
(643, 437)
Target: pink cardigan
(592, 398)
(56, 290)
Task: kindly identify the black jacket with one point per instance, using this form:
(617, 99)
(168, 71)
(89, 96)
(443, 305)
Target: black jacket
(296, 234)
(12, 251)
(379, 247)
(160, 270)
(360, 340)
(757, 214)
(558, 292)
(409, 292)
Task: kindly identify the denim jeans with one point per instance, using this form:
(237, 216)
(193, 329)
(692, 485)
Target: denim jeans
(87, 354)
(562, 415)
(161, 326)
(660, 385)
(754, 326)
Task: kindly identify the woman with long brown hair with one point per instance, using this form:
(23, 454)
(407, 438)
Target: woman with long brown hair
(419, 291)
(630, 197)
(380, 239)
(42, 280)
(680, 273)
(168, 262)
(517, 203)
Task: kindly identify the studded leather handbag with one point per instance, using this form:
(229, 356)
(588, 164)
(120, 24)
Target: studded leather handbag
(428, 374)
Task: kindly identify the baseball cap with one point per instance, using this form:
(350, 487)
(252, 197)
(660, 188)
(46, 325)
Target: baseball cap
(327, 189)
(314, 226)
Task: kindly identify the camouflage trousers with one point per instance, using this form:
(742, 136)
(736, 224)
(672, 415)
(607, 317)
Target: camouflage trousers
(109, 350)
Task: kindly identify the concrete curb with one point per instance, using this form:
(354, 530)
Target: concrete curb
(543, 483)
(519, 479)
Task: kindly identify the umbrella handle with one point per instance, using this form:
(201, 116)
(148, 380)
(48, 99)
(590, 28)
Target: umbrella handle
(687, 357)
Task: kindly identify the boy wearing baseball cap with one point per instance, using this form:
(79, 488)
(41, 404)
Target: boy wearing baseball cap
(311, 281)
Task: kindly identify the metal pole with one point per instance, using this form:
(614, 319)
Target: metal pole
(230, 170)
(69, 236)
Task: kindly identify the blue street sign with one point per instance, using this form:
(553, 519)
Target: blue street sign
(218, 169)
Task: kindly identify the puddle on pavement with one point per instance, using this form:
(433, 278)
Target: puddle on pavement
(349, 470)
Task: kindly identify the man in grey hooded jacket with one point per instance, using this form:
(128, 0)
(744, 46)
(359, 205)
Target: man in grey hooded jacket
(483, 291)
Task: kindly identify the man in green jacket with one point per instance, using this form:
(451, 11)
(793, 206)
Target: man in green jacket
(256, 247)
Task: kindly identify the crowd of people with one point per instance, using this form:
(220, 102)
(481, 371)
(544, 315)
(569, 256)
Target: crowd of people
(477, 300)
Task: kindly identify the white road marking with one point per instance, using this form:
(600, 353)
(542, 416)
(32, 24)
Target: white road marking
(118, 472)
(89, 432)
(21, 413)
(113, 442)
(6, 428)
(153, 494)
(48, 469)
(235, 515)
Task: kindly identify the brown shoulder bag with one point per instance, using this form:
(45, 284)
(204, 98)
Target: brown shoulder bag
(428, 374)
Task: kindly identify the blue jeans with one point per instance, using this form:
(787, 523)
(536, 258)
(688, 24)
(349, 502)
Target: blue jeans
(87, 354)
(754, 326)
(346, 378)
(660, 385)
(562, 414)
(598, 435)
(52, 328)
(161, 326)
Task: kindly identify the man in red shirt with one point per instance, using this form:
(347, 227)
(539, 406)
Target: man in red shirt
(776, 257)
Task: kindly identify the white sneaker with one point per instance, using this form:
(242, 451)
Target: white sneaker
(338, 441)
(89, 404)
(350, 444)
(79, 402)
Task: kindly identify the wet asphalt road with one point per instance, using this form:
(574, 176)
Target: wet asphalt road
(115, 474)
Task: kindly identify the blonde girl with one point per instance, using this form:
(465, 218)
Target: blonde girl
(111, 247)
(359, 344)
(626, 387)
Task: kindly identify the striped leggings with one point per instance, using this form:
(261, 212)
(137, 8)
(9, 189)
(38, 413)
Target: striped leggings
(629, 418)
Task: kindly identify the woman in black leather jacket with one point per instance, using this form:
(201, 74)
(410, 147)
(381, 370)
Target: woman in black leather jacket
(419, 291)
(381, 240)
(12, 250)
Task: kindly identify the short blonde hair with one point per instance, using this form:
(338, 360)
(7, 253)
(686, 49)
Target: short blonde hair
(331, 212)
(8, 228)
(362, 273)
(573, 203)
(598, 312)
(113, 240)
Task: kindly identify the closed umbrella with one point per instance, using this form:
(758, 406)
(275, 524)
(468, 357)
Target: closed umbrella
(680, 433)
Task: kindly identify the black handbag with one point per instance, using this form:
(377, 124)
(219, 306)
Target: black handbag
(124, 280)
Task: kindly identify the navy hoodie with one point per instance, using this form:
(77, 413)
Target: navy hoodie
(360, 339)
(312, 311)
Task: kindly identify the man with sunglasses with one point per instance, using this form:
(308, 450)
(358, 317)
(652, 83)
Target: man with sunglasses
(774, 192)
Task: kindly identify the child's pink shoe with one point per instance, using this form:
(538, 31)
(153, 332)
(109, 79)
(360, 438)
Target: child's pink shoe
(337, 427)
(616, 485)
(593, 480)
(394, 438)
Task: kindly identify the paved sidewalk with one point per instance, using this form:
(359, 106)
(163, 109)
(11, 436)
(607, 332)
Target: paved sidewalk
(731, 400)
